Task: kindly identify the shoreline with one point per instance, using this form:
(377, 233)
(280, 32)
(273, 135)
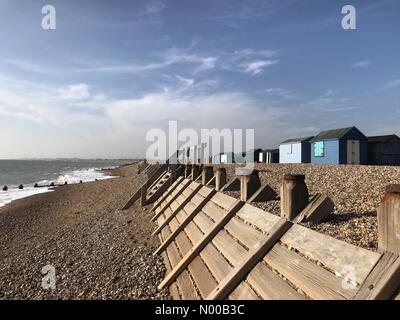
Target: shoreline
(30, 190)
(97, 250)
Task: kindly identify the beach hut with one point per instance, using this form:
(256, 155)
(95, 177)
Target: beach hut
(384, 150)
(269, 156)
(295, 150)
(249, 156)
(339, 146)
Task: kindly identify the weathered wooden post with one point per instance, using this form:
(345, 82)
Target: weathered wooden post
(389, 221)
(220, 178)
(249, 182)
(207, 174)
(195, 172)
(143, 195)
(294, 196)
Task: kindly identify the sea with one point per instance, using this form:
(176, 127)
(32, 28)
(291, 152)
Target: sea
(14, 173)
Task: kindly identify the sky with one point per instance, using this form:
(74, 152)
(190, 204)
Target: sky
(113, 70)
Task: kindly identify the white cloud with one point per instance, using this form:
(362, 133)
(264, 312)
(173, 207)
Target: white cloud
(83, 124)
(75, 92)
(256, 67)
(26, 65)
(280, 92)
(155, 7)
(328, 102)
(361, 64)
(392, 84)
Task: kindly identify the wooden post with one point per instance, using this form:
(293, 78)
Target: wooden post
(220, 178)
(294, 196)
(143, 195)
(195, 172)
(207, 174)
(249, 182)
(389, 221)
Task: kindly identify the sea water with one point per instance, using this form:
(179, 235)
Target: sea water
(44, 172)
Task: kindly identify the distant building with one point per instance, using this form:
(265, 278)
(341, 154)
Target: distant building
(384, 150)
(269, 156)
(227, 157)
(295, 150)
(339, 146)
(249, 156)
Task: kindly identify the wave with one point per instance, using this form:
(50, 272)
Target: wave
(72, 177)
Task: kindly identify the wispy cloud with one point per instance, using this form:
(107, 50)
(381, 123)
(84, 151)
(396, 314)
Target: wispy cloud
(392, 84)
(75, 92)
(361, 64)
(328, 102)
(26, 66)
(155, 7)
(280, 92)
(256, 67)
(168, 58)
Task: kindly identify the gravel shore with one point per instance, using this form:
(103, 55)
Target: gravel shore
(98, 251)
(356, 191)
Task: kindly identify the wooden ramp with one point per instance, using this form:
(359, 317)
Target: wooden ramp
(217, 247)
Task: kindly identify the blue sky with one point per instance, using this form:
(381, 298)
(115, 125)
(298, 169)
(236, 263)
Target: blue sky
(112, 70)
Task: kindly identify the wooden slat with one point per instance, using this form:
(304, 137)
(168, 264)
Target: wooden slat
(332, 253)
(214, 211)
(174, 195)
(190, 216)
(257, 217)
(243, 292)
(245, 233)
(200, 246)
(223, 200)
(252, 258)
(204, 223)
(270, 286)
(229, 248)
(167, 193)
(175, 211)
(173, 289)
(383, 281)
(316, 282)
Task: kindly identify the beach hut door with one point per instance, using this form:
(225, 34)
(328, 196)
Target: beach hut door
(353, 152)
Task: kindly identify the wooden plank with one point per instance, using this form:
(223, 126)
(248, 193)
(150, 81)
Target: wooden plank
(317, 282)
(197, 199)
(214, 211)
(172, 215)
(189, 218)
(204, 191)
(199, 247)
(204, 223)
(173, 289)
(252, 258)
(167, 193)
(270, 286)
(223, 200)
(211, 182)
(246, 234)
(198, 270)
(383, 281)
(243, 292)
(263, 194)
(257, 217)
(184, 283)
(332, 253)
(159, 192)
(175, 195)
(230, 249)
(319, 208)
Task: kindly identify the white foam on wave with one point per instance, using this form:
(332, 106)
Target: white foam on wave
(72, 177)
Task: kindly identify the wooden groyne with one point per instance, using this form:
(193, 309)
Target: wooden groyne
(218, 247)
